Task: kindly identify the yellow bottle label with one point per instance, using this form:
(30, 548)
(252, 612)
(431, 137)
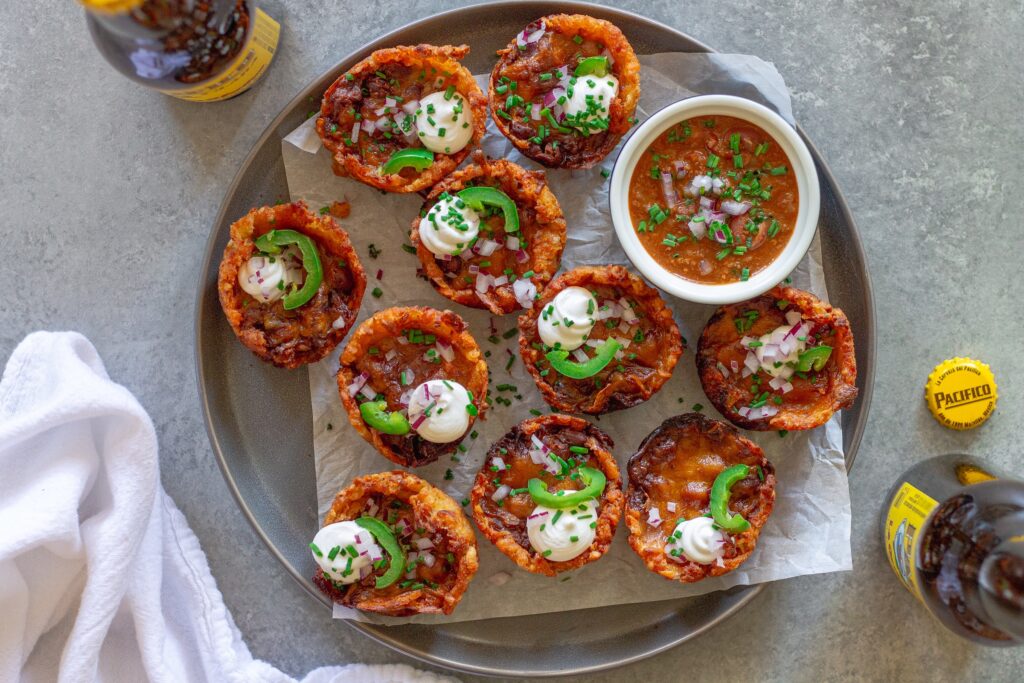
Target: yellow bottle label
(245, 70)
(110, 6)
(903, 523)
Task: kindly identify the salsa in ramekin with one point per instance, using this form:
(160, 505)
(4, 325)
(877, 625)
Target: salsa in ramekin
(713, 199)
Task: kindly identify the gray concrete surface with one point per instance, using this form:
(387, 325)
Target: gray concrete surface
(109, 191)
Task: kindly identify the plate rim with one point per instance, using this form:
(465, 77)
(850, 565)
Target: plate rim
(380, 633)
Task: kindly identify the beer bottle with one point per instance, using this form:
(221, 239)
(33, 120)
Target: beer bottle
(197, 50)
(954, 533)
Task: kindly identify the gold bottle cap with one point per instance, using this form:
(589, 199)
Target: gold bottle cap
(961, 393)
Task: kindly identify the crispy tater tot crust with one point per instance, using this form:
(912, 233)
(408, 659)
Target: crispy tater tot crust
(623, 383)
(367, 351)
(506, 529)
(432, 510)
(819, 402)
(540, 221)
(361, 90)
(290, 339)
(572, 150)
(677, 463)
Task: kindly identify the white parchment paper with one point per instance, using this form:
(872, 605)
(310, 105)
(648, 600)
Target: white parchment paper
(809, 530)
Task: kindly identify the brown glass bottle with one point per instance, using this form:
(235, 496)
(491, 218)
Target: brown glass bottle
(954, 533)
(199, 50)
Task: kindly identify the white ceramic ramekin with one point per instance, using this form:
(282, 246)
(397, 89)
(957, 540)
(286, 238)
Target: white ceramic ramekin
(801, 165)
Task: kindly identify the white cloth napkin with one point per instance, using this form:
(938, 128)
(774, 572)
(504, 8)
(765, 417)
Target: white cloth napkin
(101, 578)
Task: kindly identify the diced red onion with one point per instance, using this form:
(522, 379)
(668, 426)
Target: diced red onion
(338, 323)
(367, 125)
(624, 343)
(446, 350)
(410, 135)
(423, 543)
(486, 247)
(522, 256)
(382, 124)
(531, 34)
(473, 269)
(389, 102)
(551, 466)
(428, 559)
(357, 383)
(670, 506)
(680, 168)
(406, 395)
(786, 388)
(768, 353)
(512, 242)
(368, 392)
(418, 421)
(355, 131)
(443, 257)
(499, 463)
(699, 229)
(668, 190)
(501, 493)
(628, 314)
(735, 208)
(410, 107)
(538, 515)
(483, 282)
(793, 317)
(580, 355)
(704, 267)
(751, 362)
(722, 369)
(538, 451)
(500, 281)
(743, 411)
(391, 354)
(365, 571)
(776, 383)
(525, 291)
(654, 517)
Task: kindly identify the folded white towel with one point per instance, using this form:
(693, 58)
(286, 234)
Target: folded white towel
(100, 576)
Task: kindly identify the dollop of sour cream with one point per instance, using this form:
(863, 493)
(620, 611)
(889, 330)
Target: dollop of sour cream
(568, 319)
(342, 535)
(445, 123)
(267, 278)
(697, 540)
(566, 537)
(442, 404)
(589, 98)
(449, 226)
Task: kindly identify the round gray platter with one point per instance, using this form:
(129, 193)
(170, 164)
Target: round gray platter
(265, 448)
